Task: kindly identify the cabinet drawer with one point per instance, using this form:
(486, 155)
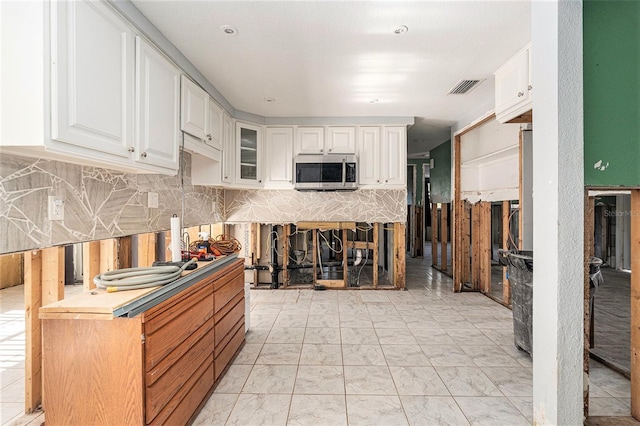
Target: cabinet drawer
(184, 404)
(225, 323)
(161, 388)
(227, 292)
(186, 318)
(226, 354)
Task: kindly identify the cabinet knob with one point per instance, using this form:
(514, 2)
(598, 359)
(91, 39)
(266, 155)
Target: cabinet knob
(378, 180)
(386, 180)
(529, 87)
(209, 136)
(329, 149)
(260, 181)
(131, 149)
(520, 94)
(143, 155)
(226, 177)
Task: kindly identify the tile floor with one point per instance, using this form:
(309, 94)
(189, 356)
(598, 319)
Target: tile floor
(423, 356)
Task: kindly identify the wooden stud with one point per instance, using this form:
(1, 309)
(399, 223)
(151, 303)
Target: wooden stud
(345, 258)
(90, 263)
(146, 249)
(376, 230)
(434, 234)
(33, 329)
(326, 225)
(589, 205)
(109, 254)
(52, 274)
(314, 253)
(635, 303)
(286, 229)
(11, 270)
(475, 246)
(485, 247)
(399, 249)
(506, 286)
(124, 252)
(255, 242)
(443, 236)
(465, 247)
(456, 237)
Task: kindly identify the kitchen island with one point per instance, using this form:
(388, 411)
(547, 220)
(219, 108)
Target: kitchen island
(149, 356)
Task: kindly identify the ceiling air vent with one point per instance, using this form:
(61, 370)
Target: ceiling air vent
(463, 87)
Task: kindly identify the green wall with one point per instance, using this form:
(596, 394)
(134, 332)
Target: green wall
(419, 178)
(440, 175)
(611, 93)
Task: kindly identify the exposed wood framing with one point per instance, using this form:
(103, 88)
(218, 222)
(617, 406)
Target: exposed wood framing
(11, 270)
(475, 246)
(443, 236)
(345, 258)
(434, 234)
(109, 255)
(90, 263)
(124, 252)
(635, 303)
(314, 236)
(506, 286)
(286, 229)
(456, 237)
(485, 247)
(466, 242)
(255, 252)
(331, 283)
(326, 225)
(589, 204)
(376, 229)
(44, 284)
(146, 249)
(399, 248)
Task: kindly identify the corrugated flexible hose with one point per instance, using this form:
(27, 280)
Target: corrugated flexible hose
(136, 278)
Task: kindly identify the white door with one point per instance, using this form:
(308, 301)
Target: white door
(394, 155)
(369, 155)
(279, 157)
(195, 109)
(228, 150)
(158, 108)
(214, 125)
(341, 140)
(92, 102)
(248, 143)
(309, 140)
(511, 82)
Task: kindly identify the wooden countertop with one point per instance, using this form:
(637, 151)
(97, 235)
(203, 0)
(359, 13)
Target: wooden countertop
(99, 304)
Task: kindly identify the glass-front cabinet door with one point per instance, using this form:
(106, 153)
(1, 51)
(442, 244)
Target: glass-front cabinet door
(248, 143)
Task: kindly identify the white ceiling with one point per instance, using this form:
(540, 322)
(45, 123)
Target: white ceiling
(331, 58)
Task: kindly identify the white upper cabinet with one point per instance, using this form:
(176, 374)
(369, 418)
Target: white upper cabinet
(214, 125)
(249, 147)
(92, 102)
(513, 88)
(309, 140)
(382, 156)
(195, 109)
(228, 150)
(279, 157)
(340, 140)
(157, 108)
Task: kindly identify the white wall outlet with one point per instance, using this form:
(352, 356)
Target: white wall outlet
(152, 200)
(56, 208)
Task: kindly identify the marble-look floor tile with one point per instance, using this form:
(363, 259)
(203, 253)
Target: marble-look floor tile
(358, 336)
(313, 354)
(216, 410)
(490, 356)
(256, 335)
(433, 410)
(500, 336)
(431, 336)
(328, 336)
(286, 319)
(279, 353)
(608, 407)
(368, 380)
(286, 335)
(324, 320)
(355, 321)
(470, 337)
(260, 409)
(512, 381)
(467, 381)
(382, 311)
(320, 379)
(234, 379)
(263, 320)
(404, 355)
(519, 355)
(271, 379)
(447, 356)
(317, 410)
(368, 296)
(415, 380)
(363, 355)
(394, 322)
(614, 384)
(375, 410)
(395, 336)
(491, 411)
(524, 404)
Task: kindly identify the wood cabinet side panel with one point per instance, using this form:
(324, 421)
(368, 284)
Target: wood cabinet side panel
(78, 388)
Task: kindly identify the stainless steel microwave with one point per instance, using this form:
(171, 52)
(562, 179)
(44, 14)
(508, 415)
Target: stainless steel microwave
(329, 172)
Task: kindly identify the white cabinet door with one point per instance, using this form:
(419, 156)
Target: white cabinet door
(92, 77)
(341, 140)
(369, 155)
(228, 150)
(513, 86)
(279, 157)
(309, 140)
(394, 156)
(248, 151)
(157, 108)
(195, 109)
(214, 125)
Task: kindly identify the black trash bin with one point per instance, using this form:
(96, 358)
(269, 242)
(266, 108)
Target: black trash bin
(520, 274)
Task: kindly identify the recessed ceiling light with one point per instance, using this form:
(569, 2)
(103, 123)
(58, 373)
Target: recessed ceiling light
(400, 29)
(374, 101)
(269, 100)
(229, 30)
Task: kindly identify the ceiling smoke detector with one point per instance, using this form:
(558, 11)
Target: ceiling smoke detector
(400, 29)
(463, 87)
(229, 30)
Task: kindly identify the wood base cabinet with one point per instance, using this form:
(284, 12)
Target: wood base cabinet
(158, 367)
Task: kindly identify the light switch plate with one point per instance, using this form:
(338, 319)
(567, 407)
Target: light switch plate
(152, 200)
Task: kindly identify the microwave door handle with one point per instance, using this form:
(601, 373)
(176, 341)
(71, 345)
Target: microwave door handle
(344, 172)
